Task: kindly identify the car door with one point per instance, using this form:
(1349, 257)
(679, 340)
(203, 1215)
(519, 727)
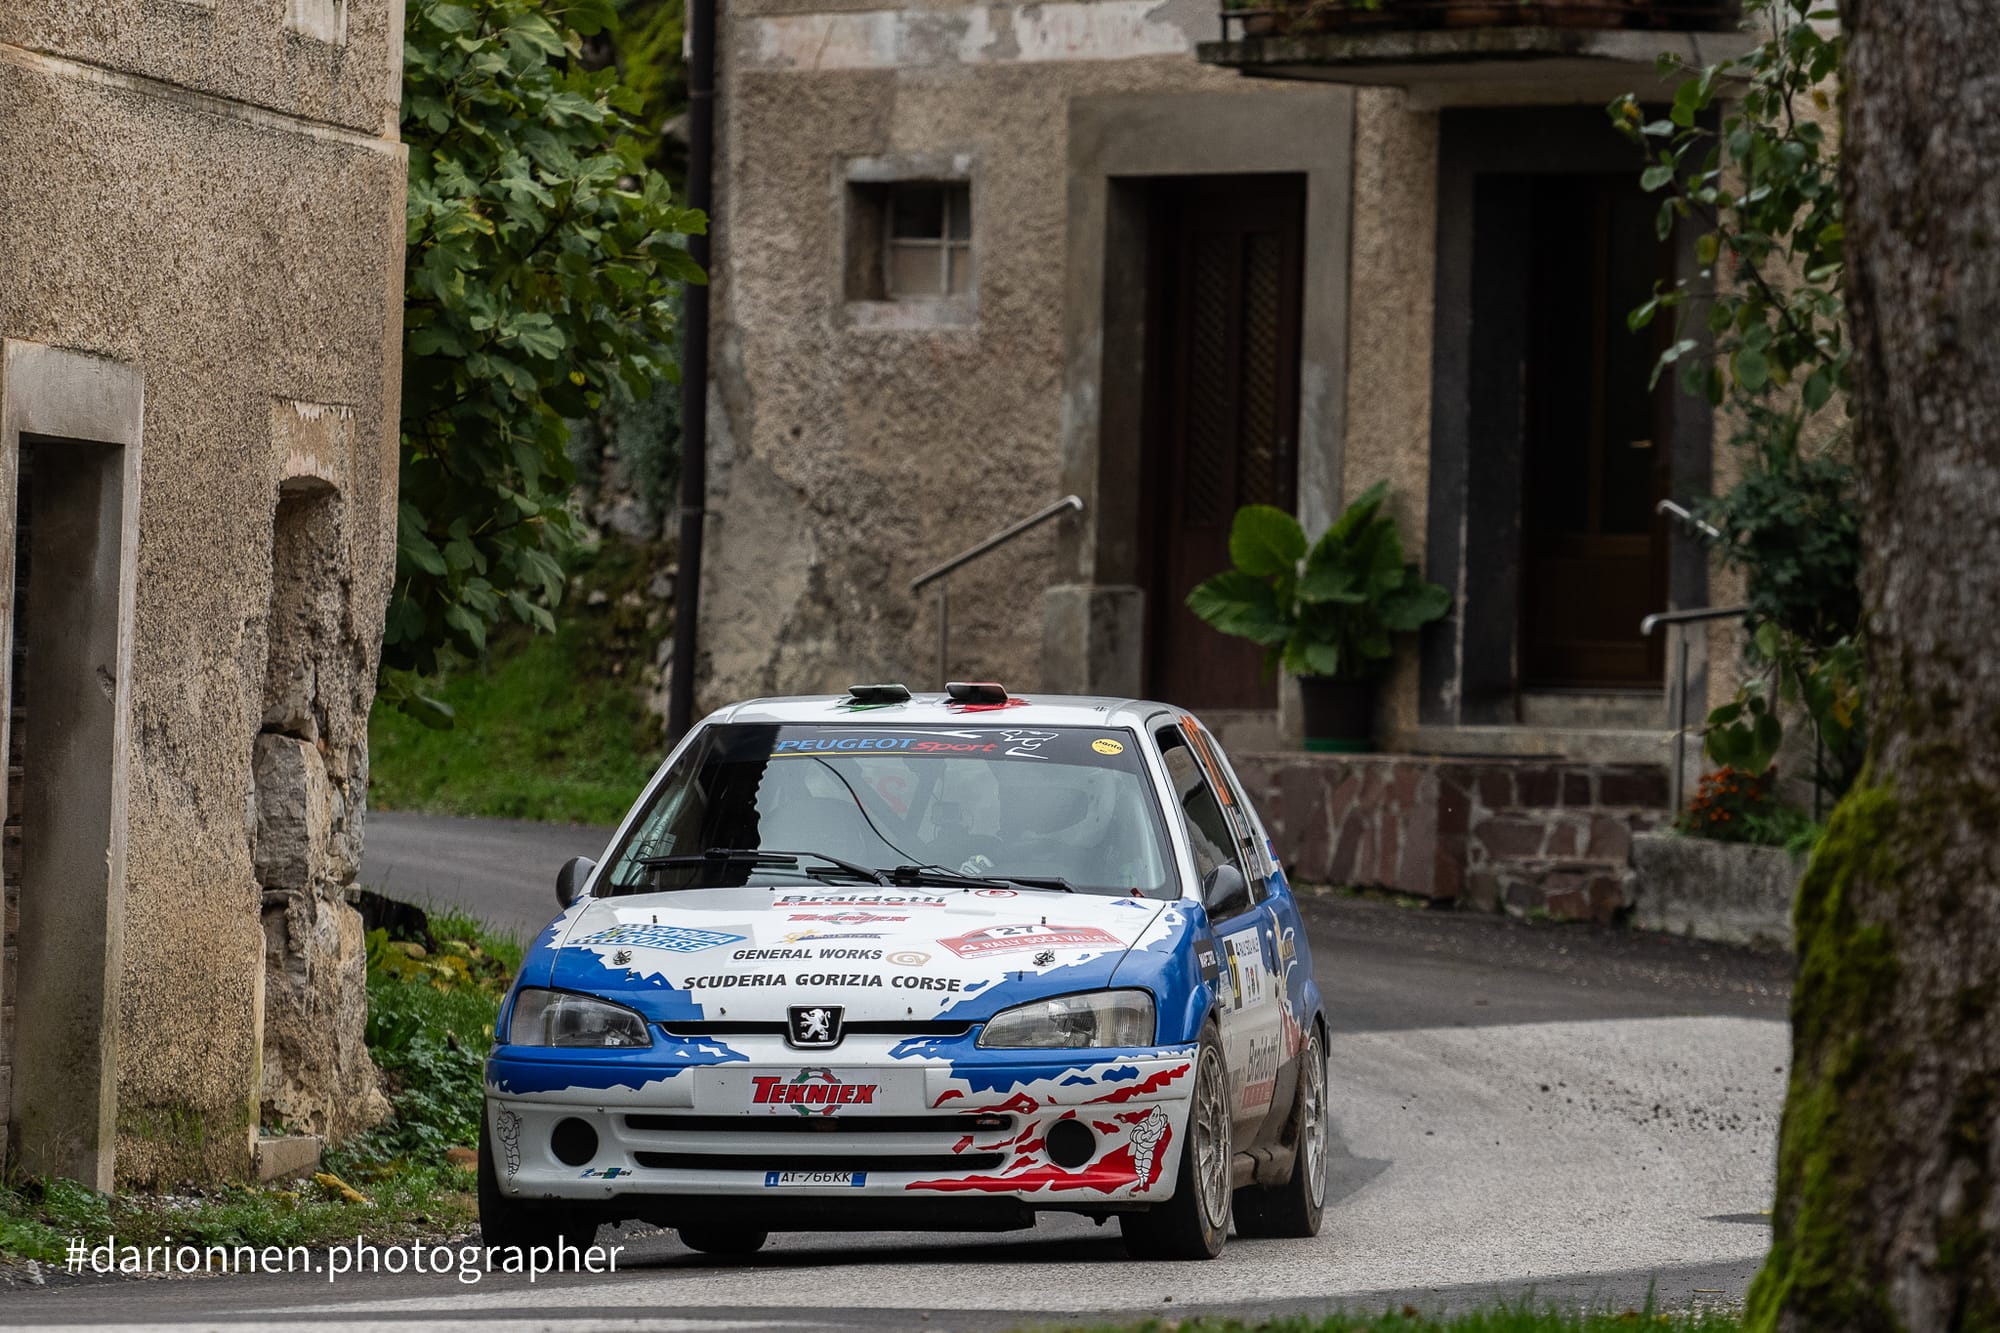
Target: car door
(1242, 937)
(1273, 1076)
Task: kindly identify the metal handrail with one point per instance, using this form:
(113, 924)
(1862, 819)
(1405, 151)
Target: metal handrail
(1677, 706)
(1708, 530)
(1647, 625)
(1000, 538)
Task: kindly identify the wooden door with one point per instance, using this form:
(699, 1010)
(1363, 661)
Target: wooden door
(1595, 438)
(1222, 409)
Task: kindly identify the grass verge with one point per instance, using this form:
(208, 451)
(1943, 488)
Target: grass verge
(431, 1008)
(550, 726)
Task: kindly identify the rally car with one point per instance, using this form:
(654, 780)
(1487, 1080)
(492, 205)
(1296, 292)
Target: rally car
(933, 961)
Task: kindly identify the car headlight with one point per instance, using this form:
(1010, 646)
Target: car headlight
(1094, 1018)
(559, 1018)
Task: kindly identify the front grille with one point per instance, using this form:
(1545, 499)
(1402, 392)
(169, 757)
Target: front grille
(986, 1123)
(700, 1161)
(889, 1027)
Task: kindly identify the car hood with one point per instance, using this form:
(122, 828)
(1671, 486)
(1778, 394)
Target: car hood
(885, 954)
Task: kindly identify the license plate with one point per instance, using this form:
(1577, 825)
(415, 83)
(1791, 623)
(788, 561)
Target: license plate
(782, 1179)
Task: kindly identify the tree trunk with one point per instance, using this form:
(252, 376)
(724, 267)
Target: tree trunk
(1888, 1206)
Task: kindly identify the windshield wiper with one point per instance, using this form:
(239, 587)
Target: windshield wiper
(757, 856)
(907, 877)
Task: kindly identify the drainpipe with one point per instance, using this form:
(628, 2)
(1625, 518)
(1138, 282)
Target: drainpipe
(694, 369)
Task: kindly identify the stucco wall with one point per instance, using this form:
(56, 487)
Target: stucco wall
(218, 201)
(1390, 329)
(846, 460)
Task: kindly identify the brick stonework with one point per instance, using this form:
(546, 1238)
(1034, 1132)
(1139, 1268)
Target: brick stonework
(1496, 834)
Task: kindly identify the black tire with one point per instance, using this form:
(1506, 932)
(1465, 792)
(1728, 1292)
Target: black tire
(1293, 1210)
(1194, 1223)
(509, 1223)
(723, 1240)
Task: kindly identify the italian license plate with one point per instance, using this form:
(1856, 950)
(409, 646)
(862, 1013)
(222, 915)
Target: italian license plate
(798, 1179)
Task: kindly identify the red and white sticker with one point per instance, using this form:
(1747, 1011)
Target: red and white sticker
(1011, 939)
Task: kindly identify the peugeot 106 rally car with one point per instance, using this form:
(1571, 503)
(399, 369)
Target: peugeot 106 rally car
(897, 962)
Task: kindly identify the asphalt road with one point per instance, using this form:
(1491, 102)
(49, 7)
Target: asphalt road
(1575, 1114)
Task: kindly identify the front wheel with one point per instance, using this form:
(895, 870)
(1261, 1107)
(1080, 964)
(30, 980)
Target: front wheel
(1195, 1222)
(1293, 1209)
(524, 1224)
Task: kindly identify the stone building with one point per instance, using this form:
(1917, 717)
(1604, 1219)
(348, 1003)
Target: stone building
(971, 258)
(201, 213)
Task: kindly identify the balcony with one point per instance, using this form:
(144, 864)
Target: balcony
(1477, 52)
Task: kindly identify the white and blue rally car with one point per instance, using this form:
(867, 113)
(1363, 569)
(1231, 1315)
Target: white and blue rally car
(918, 962)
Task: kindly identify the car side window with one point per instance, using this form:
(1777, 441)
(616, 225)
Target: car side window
(1256, 855)
(1209, 830)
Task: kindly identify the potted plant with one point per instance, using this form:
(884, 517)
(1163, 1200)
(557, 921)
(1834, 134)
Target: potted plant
(1325, 612)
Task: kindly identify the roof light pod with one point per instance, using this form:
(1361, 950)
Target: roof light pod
(976, 692)
(878, 694)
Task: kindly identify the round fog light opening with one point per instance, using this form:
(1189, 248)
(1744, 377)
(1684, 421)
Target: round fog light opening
(574, 1142)
(1070, 1144)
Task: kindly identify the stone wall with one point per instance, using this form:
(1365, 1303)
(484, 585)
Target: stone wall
(1522, 836)
(210, 199)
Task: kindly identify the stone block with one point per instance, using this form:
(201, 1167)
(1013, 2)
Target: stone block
(1714, 890)
(1344, 866)
(1454, 806)
(317, 1074)
(1610, 894)
(1567, 903)
(1496, 789)
(1638, 784)
(1610, 839)
(1538, 788)
(1508, 837)
(1521, 893)
(297, 807)
(1303, 833)
(1576, 788)
(288, 1156)
(1564, 839)
(1482, 891)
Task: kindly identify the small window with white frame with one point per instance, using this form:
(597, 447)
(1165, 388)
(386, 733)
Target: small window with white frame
(928, 240)
(908, 260)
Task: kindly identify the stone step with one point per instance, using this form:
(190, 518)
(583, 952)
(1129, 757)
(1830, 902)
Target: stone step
(288, 1156)
(1576, 745)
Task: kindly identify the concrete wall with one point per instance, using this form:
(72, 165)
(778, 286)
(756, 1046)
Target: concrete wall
(211, 196)
(848, 454)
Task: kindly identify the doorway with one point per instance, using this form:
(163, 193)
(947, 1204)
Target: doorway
(1220, 422)
(1593, 551)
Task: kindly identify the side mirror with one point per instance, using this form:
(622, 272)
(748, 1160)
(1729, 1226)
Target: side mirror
(1224, 891)
(569, 880)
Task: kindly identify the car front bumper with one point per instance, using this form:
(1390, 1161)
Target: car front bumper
(1052, 1129)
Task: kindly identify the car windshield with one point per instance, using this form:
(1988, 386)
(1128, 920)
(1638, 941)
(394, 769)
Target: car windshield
(1067, 806)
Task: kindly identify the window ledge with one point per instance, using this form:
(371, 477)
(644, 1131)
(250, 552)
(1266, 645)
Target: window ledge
(952, 312)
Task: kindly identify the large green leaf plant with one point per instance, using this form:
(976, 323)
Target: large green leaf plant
(1328, 609)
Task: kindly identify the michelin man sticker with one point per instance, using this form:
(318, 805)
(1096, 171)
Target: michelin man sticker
(507, 1128)
(1145, 1140)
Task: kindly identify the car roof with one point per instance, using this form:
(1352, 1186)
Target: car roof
(1036, 710)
